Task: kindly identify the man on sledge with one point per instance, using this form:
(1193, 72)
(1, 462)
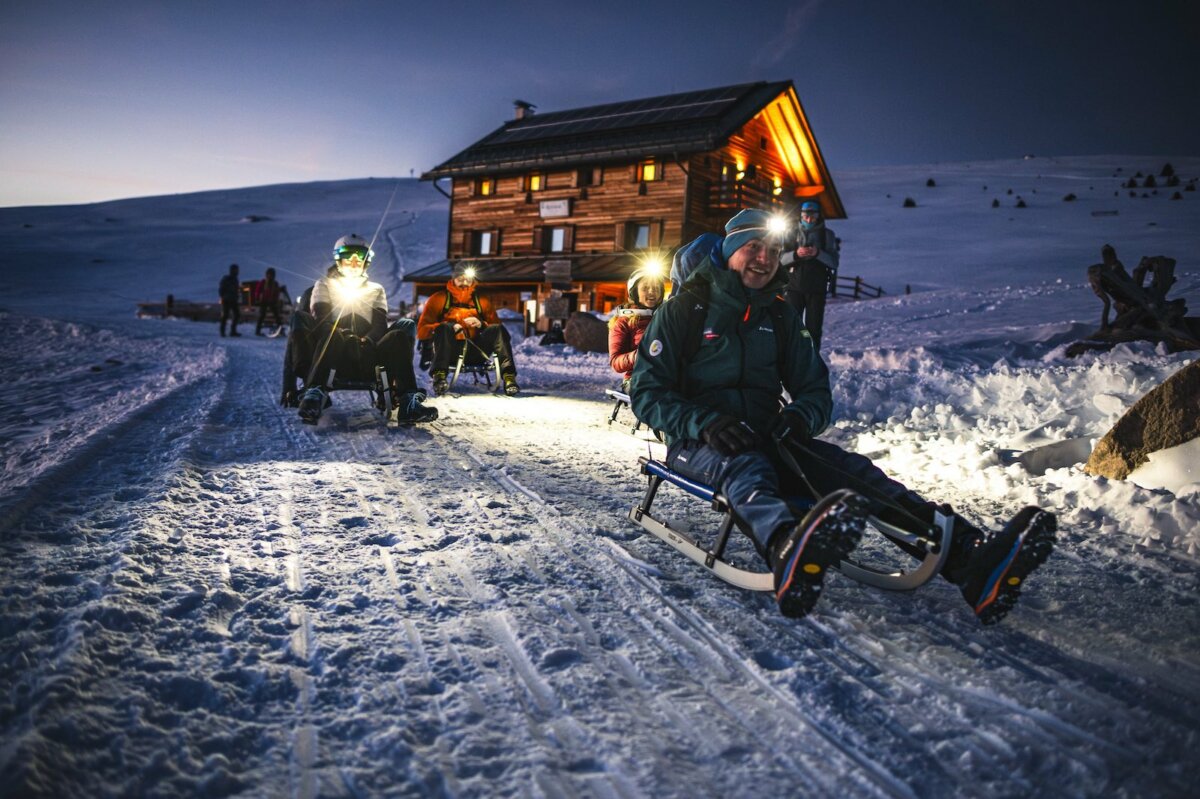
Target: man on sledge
(461, 317)
(345, 330)
(710, 373)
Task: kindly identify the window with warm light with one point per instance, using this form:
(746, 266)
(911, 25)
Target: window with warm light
(649, 170)
(535, 182)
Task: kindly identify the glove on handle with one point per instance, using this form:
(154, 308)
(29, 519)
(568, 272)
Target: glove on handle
(789, 425)
(728, 436)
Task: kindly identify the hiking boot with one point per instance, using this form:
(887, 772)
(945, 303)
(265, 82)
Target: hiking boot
(800, 557)
(410, 410)
(510, 385)
(999, 564)
(312, 404)
(440, 386)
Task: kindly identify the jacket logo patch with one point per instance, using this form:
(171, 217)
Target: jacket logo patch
(655, 348)
(766, 329)
(709, 335)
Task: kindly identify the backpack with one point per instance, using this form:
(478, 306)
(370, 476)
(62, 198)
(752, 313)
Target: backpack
(448, 303)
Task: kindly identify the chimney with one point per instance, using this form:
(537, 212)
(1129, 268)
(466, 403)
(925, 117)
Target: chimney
(522, 109)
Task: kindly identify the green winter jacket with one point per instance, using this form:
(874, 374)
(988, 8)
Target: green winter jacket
(736, 371)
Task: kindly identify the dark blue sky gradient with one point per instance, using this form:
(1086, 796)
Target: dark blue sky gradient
(118, 99)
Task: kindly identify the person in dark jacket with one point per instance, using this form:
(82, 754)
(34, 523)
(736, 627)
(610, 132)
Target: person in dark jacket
(268, 295)
(230, 292)
(346, 331)
(629, 322)
(811, 267)
(718, 400)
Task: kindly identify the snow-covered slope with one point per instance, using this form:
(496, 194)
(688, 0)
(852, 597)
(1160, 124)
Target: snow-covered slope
(198, 595)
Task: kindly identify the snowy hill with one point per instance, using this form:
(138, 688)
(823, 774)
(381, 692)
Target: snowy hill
(198, 595)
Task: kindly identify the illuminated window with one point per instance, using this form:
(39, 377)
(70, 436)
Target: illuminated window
(485, 187)
(535, 182)
(558, 239)
(649, 170)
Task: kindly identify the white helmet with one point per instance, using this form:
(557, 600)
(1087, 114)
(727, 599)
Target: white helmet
(653, 275)
(350, 244)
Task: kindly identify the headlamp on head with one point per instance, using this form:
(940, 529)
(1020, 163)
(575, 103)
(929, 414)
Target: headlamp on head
(777, 225)
(348, 293)
(653, 267)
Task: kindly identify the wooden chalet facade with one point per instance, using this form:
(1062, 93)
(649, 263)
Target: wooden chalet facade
(568, 204)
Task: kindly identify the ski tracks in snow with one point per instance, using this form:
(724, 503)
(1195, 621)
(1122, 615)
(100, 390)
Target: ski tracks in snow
(240, 603)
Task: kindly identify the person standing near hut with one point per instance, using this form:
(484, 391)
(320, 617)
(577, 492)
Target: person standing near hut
(230, 292)
(811, 267)
(268, 295)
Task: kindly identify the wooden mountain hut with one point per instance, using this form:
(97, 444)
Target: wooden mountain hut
(564, 206)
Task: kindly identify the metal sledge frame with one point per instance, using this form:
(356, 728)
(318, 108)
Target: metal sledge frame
(490, 365)
(621, 400)
(936, 547)
(377, 387)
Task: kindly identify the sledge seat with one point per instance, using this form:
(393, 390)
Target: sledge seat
(621, 400)
(476, 363)
(375, 384)
(935, 545)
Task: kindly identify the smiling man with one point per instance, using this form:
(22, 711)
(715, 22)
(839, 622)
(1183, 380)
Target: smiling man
(710, 373)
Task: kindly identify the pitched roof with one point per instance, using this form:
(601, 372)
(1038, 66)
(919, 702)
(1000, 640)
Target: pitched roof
(682, 123)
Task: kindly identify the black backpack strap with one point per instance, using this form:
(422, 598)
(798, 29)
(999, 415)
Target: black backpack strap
(778, 309)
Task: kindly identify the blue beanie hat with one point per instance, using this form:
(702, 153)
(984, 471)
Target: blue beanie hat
(745, 225)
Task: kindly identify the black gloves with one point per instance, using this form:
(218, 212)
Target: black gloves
(728, 436)
(789, 425)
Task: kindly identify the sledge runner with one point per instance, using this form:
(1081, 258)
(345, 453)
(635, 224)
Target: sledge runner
(345, 331)
(709, 374)
(460, 317)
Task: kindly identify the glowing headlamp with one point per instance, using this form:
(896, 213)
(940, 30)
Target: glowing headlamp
(777, 225)
(653, 267)
(348, 292)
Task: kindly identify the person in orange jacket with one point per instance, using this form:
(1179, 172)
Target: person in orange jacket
(460, 317)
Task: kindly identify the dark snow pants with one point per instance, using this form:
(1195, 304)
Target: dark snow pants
(806, 291)
(491, 339)
(233, 312)
(768, 497)
(349, 356)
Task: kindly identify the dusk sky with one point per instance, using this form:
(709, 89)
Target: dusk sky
(121, 99)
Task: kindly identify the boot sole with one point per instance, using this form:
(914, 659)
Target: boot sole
(830, 540)
(1003, 588)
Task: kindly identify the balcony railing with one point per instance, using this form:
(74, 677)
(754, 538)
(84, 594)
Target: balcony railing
(733, 196)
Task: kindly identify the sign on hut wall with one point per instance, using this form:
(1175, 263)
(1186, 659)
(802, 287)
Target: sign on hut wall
(550, 209)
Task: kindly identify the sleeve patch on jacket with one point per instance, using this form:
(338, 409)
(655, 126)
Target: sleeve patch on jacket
(655, 348)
